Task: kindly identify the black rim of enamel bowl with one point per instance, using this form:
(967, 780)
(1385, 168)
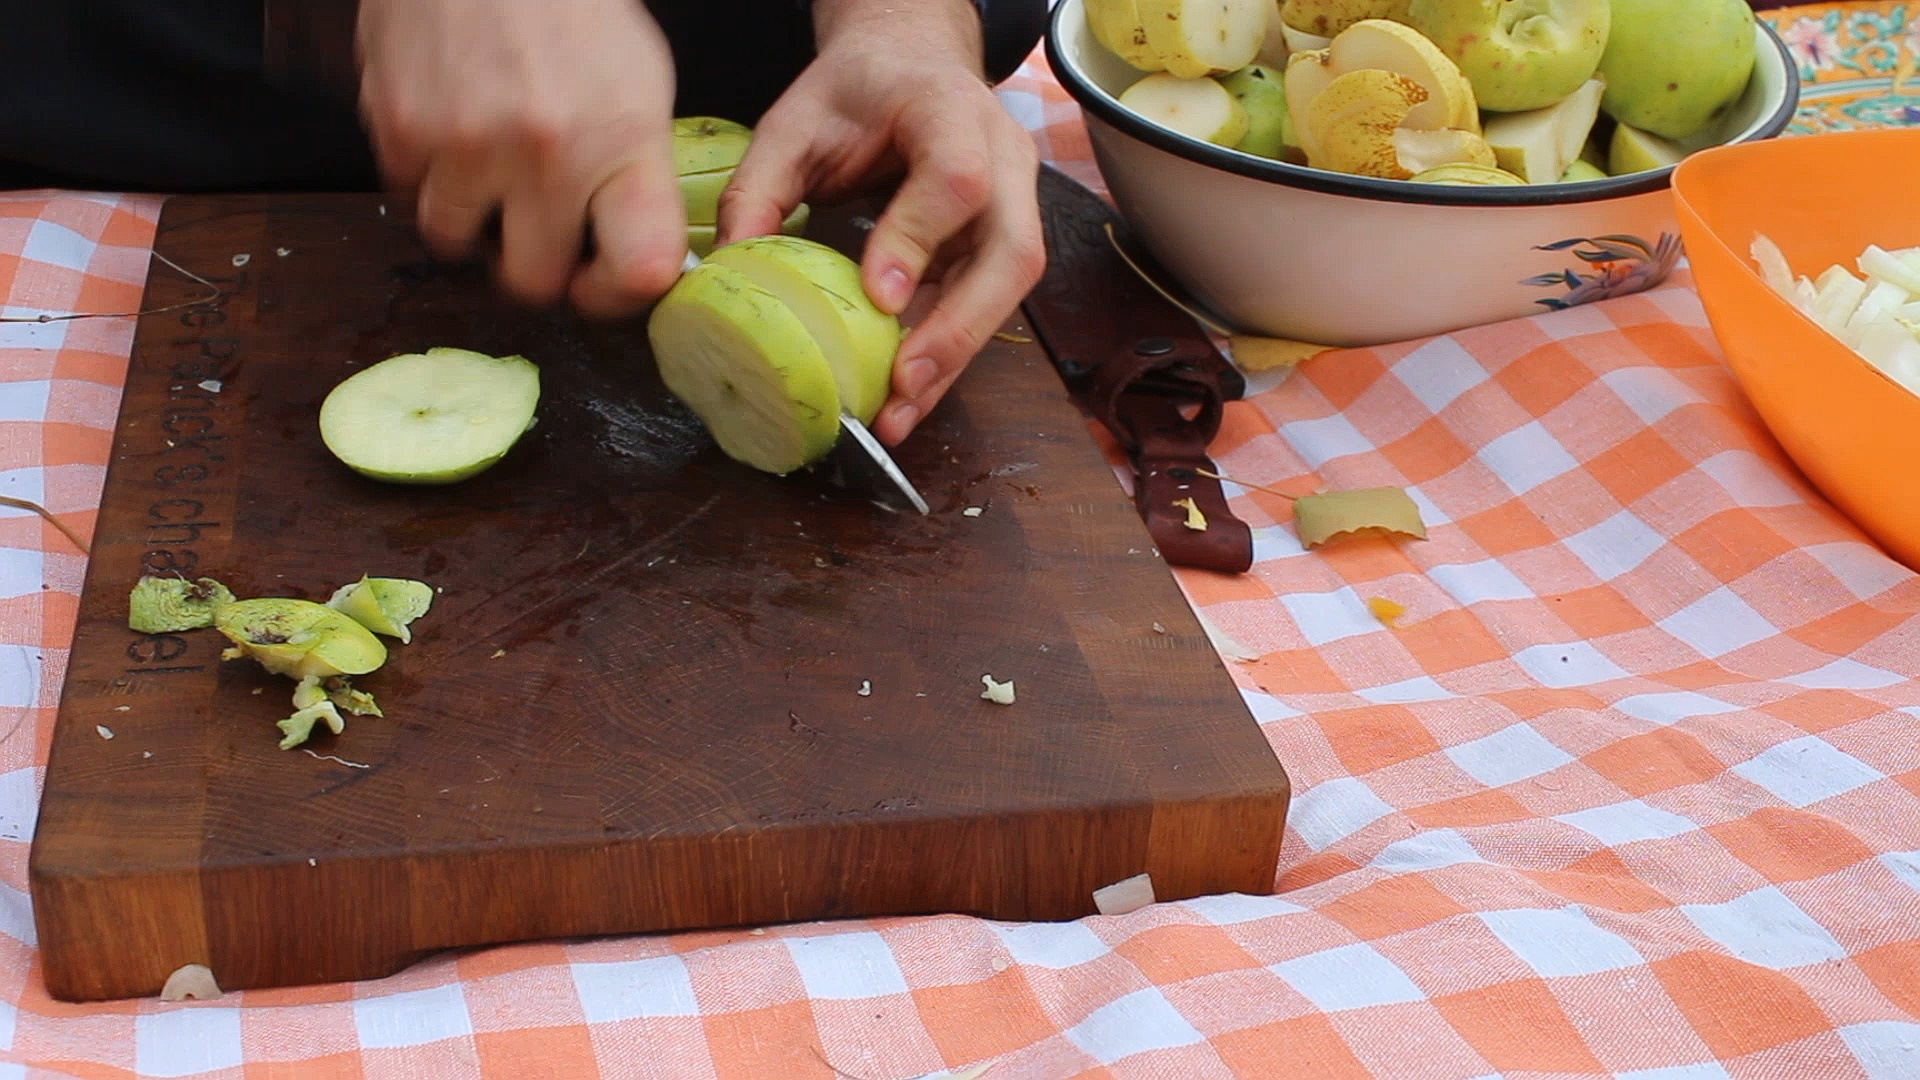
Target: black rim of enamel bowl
(1095, 101)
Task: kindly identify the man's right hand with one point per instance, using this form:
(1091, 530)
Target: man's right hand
(554, 115)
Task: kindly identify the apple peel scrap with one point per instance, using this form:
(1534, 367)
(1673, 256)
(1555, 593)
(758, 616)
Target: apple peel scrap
(319, 646)
(1875, 315)
(1381, 511)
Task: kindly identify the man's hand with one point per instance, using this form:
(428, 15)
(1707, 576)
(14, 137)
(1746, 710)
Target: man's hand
(554, 116)
(897, 85)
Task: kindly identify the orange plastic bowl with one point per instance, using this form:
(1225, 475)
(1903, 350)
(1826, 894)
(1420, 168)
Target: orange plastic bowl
(1853, 431)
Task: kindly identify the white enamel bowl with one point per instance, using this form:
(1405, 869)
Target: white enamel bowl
(1287, 251)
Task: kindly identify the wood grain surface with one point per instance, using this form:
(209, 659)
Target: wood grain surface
(636, 704)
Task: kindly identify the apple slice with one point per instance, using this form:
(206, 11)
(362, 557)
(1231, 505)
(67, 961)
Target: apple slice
(822, 287)
(1308, 73)
(1467, 176)
(384, 605)
(1198, 108)
(436, 417)
(1116, 25)
(1424, 151)
(1539, 145)
(1581, 171)
(1396, 47)
(1262, 92)
(1195, 38)
(745, 364)
(1327, 18)
(1633, 150)
(1354, 120)
(299, 638)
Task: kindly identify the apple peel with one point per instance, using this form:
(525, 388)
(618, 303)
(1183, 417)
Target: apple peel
(384, 605)
(164, 605)
(1332, 515)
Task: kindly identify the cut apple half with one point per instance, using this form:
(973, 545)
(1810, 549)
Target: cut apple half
(1199, 108)
(1194, 38)
(1396, 47)
(740, 358)
(436, 417)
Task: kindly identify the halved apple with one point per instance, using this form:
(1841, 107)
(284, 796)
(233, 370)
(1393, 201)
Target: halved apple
(1116, 25)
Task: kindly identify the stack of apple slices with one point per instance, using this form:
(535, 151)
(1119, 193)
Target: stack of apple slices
(1877, 314)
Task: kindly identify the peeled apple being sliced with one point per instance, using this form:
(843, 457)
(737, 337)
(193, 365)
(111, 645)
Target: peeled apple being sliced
(1396, 47)
(740, 358)
(1354, 119)
(1423, 151)
(1196, 107)
(822, 287)
(1204, 37)
(1116, 25)
(436, 417)
(700, 237)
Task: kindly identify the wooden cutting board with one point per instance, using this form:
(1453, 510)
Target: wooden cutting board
(657, 691)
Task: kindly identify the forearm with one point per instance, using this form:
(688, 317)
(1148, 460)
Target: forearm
(953, 26)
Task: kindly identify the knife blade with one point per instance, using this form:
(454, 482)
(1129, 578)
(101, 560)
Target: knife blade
(1144, 369)
(857, 461)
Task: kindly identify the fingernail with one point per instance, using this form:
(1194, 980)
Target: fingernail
(895, 289)
(903, 416)
(916, 375)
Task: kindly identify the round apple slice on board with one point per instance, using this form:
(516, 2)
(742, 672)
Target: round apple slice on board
(1198, 108)
(747, 367)
(436, 417)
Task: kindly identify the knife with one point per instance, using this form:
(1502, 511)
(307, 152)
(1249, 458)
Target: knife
(857, 461)
(1144, 369)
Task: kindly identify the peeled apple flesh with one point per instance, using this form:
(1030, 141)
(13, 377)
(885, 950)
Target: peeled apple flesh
(1199, 108)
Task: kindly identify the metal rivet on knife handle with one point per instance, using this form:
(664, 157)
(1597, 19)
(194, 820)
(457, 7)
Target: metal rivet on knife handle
(1153, 346)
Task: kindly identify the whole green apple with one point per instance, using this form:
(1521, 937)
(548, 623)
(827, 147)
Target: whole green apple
(1518, 54)
(1674, 67)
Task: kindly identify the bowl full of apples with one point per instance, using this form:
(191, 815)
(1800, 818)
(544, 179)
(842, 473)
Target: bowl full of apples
(1356, 172)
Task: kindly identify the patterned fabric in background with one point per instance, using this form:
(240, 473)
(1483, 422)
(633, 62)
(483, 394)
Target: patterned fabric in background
(1631, 791)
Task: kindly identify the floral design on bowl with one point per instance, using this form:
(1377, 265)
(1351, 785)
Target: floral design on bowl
(1620, 266)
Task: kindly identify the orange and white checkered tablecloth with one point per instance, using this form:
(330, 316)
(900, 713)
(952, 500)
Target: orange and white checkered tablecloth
(1633, 790)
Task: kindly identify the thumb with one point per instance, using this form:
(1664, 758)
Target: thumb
(769, 181)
